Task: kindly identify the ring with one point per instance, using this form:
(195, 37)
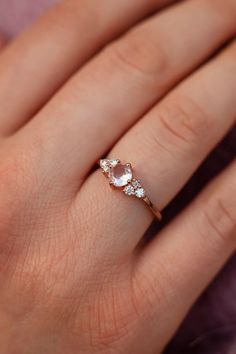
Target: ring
(121, 177)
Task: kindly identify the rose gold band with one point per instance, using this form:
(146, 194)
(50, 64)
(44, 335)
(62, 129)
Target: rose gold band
(154, 210)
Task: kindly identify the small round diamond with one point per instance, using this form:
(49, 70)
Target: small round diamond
(105, 165)
(129, 190)
(140, 193)
(136, 183)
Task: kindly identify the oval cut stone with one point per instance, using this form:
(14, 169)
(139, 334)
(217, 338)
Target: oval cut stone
(120, 175)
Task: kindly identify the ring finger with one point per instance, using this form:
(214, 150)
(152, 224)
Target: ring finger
(166, 147)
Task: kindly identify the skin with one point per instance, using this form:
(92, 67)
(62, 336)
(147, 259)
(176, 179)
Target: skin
(150, 87)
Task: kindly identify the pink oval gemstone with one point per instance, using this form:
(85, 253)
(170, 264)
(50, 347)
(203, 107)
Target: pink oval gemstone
(120, 175)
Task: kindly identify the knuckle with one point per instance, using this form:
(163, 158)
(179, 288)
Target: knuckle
(219, 222)
(183, 121)
(135, 53)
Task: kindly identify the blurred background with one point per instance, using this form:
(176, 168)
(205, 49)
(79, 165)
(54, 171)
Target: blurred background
(210, 328)
(15, 15)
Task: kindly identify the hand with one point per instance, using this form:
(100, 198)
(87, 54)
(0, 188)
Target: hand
(96, 77)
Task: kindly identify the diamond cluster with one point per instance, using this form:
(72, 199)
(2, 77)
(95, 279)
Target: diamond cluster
(121, 176)
(135, 188)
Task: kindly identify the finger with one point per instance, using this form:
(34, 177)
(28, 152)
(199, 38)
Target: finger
(56, 46)
(110, 93)
(177, 266)
(166, 147)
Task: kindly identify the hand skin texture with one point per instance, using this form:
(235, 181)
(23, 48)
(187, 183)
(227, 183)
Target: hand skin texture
(150, 82)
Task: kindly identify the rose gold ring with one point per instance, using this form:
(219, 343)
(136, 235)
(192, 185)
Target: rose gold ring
(121, 177)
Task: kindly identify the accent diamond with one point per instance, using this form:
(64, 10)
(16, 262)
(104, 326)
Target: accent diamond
(136, 183)
(129, 190)
(140, 193)
(105, 165)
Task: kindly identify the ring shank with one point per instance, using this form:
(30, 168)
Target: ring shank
(154, 210)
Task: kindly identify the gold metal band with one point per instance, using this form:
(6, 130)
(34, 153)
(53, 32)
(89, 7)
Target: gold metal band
(154, 210)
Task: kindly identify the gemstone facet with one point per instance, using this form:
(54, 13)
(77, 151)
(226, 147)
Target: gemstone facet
(120, 175)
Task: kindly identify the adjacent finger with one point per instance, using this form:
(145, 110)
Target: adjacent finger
(92, 111)
(39, 61)
(165, 148)
(177, 266)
